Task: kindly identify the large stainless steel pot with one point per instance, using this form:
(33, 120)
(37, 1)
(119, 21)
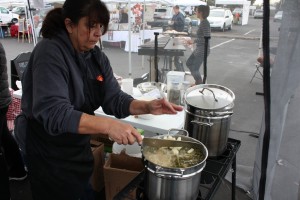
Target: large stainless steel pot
(208, 111)
(174, 183)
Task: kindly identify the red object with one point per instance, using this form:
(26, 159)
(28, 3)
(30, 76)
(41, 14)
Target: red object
(100, 78)
(14, 30)
(14, 110)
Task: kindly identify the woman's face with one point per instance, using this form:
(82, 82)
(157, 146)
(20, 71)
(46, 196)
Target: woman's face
(85, 34)
(199, 14)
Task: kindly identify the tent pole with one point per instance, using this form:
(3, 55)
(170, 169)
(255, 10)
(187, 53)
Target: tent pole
(143, 39)
(267, 101)
(31, 23)
(129, 39)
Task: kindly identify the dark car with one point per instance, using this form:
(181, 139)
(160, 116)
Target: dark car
(163, 16)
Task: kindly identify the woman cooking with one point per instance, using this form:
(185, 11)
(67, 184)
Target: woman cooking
(66, 80)
(196, 58)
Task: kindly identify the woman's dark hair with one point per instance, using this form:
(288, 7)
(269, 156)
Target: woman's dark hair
(95, 10)
(204, 9)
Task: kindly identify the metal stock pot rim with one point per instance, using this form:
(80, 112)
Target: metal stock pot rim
(209, 97)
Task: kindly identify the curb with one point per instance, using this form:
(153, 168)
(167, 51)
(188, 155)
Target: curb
(241, 37)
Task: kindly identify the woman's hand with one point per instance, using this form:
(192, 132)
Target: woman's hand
(189, 42)
(117, 131)
(162, 106)
(123, 133)
(155, 107)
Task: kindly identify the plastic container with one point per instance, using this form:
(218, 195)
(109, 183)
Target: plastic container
(174, 94)
(174, 76)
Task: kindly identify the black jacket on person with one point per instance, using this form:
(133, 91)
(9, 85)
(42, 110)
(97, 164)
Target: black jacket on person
(178, 20)
(124, 18)
(5, 98)
(59, 85)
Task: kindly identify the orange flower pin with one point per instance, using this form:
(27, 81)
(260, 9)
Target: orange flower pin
(100, 78)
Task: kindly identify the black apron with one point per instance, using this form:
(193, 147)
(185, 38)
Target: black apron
(60, 166)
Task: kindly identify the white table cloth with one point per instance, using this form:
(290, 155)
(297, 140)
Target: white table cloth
(157, 124)
(136, 38)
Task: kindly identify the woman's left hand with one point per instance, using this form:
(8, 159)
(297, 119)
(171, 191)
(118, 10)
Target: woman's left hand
(162, 106)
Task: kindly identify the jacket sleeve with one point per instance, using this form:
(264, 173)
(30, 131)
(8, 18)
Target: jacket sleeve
(116, 102)
(51, 105)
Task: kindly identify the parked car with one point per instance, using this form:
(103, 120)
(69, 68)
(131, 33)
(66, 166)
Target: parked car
(220, 19)
(20, 10)
(258, 14)
(278, 16)
(8, 17)
(163, 15)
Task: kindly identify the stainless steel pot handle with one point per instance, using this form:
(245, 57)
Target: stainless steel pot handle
(202, 123)
(160, 171)
(218, 114)
(216, 100)
(178, 129)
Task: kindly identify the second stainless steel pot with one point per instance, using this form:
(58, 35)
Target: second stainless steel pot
(208, 109)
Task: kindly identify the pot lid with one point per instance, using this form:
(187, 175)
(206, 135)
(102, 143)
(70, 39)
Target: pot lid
(209, 96)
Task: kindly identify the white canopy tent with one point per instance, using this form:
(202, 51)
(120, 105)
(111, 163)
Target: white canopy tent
(187, 2)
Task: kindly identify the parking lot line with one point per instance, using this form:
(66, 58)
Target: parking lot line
(249, 32)
(222, 43)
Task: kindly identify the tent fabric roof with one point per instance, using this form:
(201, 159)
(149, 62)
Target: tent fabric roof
(231, 2)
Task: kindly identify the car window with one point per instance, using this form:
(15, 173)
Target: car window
(216, 13)
(160, 10)
(4, 11)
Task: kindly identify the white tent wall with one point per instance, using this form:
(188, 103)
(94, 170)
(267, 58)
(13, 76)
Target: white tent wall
(244, 3)
(246, 11)
(187, 2)
(283, 174)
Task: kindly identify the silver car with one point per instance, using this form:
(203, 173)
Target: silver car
(278, 16)
(258, 14)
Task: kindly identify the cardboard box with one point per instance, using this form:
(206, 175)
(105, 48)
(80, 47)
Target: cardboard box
(97, 179)
(119, 170)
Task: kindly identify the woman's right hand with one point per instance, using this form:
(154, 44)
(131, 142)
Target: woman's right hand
(123, 133)
(189, 42)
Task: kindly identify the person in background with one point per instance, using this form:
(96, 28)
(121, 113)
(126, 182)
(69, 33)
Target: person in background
(67, 78)
(123, 16)
(11, 163)
(177, 20)
(196, 58)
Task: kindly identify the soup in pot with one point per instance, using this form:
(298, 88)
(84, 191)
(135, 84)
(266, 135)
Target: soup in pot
(173, 157)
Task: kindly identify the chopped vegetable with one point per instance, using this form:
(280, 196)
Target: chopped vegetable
(191, 150)
(175, 151)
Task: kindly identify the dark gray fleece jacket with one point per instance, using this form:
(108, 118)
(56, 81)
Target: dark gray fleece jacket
(5, 98)
(53, 90)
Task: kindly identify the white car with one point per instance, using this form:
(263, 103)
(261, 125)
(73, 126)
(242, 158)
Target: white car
(220, 19)
(259, 14)
(8, 17)
(278, 16)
